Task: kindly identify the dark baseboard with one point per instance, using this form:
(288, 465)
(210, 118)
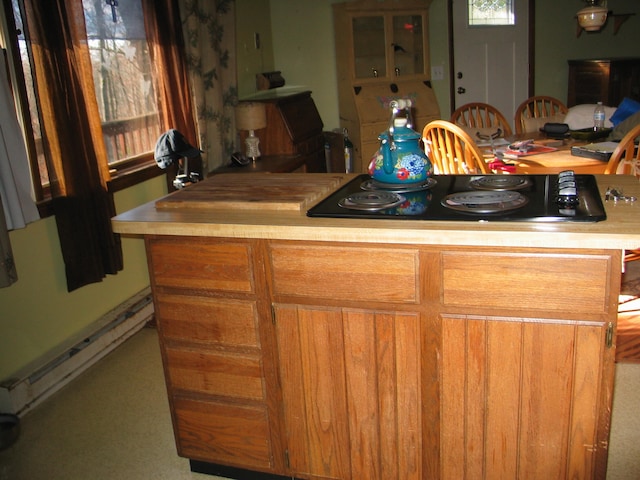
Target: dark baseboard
(232, 472)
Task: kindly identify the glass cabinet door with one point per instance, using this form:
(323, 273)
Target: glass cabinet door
(388, 45)
(369, 47)
(408, 45)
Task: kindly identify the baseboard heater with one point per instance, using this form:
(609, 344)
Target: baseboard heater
(37, 383)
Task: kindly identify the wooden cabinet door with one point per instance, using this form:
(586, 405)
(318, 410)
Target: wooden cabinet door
(351, 392)
(520, 398)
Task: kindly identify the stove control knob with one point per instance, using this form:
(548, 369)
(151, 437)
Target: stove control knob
(567, 189)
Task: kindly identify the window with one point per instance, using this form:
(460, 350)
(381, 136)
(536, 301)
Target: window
(123, 84)
(491, 12)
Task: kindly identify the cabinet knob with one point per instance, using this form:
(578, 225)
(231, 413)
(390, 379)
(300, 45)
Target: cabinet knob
(461, 90)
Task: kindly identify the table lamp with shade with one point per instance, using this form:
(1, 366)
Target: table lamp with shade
(251, 116)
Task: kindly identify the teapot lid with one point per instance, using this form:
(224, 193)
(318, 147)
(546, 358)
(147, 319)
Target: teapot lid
(400, 131)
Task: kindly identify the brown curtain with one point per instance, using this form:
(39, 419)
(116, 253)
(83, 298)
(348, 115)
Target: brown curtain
(72, 138)
(167, 51)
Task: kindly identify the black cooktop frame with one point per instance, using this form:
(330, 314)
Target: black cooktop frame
(542, 206)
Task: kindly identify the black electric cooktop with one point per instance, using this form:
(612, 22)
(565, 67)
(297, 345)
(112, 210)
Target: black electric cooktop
(564, 197)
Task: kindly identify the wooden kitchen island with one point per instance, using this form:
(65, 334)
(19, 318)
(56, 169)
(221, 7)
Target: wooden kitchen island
(323, 348)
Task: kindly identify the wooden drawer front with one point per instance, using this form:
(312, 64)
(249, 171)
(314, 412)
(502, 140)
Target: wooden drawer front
(575, 283)
(215, 373)
(207, 320)
(354, 274)
(208, 265)
(220, 433)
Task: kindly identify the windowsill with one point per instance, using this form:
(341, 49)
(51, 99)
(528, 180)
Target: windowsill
(132, 176)
(125, 178)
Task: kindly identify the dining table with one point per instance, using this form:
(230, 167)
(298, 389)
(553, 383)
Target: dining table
(554, 161)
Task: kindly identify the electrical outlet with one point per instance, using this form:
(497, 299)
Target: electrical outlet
(437, 72)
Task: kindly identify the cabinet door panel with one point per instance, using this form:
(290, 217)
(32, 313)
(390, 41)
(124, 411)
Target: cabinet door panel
(351, 390)
(519, 398)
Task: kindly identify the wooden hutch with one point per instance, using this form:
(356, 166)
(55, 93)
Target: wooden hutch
(382, 54)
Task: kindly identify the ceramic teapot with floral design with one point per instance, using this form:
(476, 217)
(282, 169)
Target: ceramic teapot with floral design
(400, 159)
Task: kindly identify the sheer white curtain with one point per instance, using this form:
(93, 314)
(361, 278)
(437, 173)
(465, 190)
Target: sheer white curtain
(17, 205)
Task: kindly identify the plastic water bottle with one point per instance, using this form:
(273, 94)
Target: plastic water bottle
(598, 117)
(327, 154)
(348, 153)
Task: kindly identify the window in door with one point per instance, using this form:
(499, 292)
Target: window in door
(491, 12)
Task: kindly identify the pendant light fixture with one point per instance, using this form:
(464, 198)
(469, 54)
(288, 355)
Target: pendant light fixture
(593, 16)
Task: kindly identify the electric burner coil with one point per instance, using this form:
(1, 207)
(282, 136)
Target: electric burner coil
(481, 201)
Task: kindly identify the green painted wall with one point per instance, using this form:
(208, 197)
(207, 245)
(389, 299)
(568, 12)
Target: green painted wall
(253, 16)
(38, 316)
(556, 41)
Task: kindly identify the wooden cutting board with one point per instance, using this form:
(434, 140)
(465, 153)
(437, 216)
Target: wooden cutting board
(254, 191)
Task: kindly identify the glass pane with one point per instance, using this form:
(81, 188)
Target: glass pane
(491, 12)
(122, 77)
(369, 47)
(33, 108)
(408, 45)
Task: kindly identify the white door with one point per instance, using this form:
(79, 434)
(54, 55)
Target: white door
(491, 62)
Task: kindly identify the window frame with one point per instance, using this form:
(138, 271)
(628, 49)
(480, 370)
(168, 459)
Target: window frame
(123, 174)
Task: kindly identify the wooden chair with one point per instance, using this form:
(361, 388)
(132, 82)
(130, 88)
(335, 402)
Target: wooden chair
(534, 112)
(451, 150)
(482, 116)
(628, 152)
(625, 160)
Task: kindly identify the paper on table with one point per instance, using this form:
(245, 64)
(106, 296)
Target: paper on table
(534, 149)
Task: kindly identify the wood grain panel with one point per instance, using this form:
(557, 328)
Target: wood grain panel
(546, 390)
(383, 392)
(216, 373)
(504, 379)
(588, 365)
(357, 381)
(314, 391)
(207, 264)
(207, 321)
(575, 283)
(229, 434)
(346, 273)
(453, 401)
(505, 418)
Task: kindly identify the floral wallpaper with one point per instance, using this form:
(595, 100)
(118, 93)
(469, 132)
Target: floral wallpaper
(209, 31)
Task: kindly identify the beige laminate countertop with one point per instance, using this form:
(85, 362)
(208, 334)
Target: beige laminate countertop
(621, 230)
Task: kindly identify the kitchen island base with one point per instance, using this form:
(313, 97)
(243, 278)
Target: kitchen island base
(347, 360)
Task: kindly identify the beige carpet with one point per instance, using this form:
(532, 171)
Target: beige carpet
(113, 423)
